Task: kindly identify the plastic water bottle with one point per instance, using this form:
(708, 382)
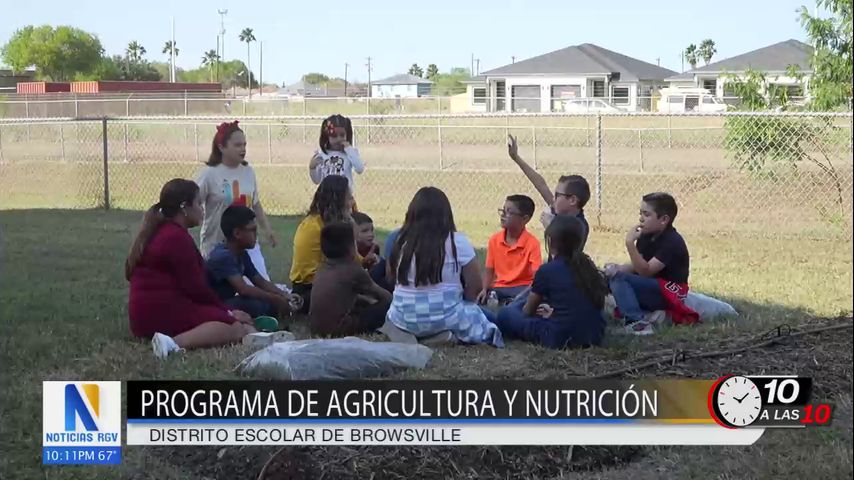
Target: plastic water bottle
(492, 301)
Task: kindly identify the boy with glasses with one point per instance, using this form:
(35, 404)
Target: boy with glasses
(568, 198)
(513, 255)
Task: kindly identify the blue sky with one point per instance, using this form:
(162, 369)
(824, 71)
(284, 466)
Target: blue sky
(305, 36)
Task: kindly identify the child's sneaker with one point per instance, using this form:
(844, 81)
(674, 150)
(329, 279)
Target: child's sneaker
(639, 328)
(265, 339)
(163, 345)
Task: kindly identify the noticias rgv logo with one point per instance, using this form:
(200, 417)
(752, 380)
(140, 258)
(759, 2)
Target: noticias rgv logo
(82, 414)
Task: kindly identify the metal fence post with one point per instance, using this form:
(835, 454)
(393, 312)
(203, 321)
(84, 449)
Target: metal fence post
(669, 131)
(269, 144)
(196, 140)
(599, 169)
(244, 107)
(61, 143)
(304, 121)
(106, 164)
(368, 119)
(127, 107)
(76, 107)
(127, 141)
(441, 149)
(587, 130)
(640, 149)
(1, 143)
(186, 104)
(534, 143)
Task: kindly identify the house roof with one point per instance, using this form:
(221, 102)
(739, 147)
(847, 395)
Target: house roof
(402, 79)
(773, 58)
(584, 59)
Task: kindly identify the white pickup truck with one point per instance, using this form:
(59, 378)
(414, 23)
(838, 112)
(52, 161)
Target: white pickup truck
(684, 100)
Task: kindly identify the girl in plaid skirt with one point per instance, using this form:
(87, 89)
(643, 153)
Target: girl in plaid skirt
(425, 265)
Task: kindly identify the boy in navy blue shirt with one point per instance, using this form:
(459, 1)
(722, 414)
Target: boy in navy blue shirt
(229, 263)
(657, 277)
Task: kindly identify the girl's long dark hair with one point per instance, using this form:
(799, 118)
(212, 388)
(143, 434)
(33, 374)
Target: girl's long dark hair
(565, 234)
(174, 194)
(330, 200)
(224, 131)
(429, 222)
(330, 124)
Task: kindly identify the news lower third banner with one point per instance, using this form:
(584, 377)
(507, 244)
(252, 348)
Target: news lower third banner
(729, 411)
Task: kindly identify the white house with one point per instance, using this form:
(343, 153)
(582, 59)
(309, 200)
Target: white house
(774, 61)
(401, 86)
(544, 83)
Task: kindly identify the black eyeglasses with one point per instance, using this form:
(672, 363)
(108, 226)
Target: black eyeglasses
(561, 194)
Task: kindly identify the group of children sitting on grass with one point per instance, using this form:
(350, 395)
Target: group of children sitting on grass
(426, 281)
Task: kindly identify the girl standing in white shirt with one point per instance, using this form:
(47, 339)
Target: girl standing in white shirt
(336, 155)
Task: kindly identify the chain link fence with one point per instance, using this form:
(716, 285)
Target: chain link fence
(747, 174)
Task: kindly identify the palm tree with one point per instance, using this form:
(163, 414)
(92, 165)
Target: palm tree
(248, 36)
(416, 70)
(167, 48)
(135, 51)
(432, 71)
(691, 55)
(210, 58)
(707, 50)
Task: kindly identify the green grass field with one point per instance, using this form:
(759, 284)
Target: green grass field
(63, 316)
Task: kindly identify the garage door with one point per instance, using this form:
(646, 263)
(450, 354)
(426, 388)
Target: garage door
(526, 98)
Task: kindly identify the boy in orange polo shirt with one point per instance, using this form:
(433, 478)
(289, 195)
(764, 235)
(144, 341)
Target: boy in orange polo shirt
(513, 254)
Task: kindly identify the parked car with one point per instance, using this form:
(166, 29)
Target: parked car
(588, 105)
(682, 100)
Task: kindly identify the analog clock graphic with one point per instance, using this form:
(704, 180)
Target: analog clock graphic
(735, 401)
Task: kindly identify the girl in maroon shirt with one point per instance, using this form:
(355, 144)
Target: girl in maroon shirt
(170, 300)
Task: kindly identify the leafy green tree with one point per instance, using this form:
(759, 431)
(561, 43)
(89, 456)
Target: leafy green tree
(231, 74)
(450, 83)
(830, 85)
(58, 53)
(315, 78)
(764, 143)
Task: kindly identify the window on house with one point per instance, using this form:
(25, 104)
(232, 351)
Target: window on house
(560, 94)
(730, 95)
(526, 98)
(711, 84)
(500, 93)
(479, 96)
(794, 91)
(621, 95)
(598, 88)
(674, 99)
